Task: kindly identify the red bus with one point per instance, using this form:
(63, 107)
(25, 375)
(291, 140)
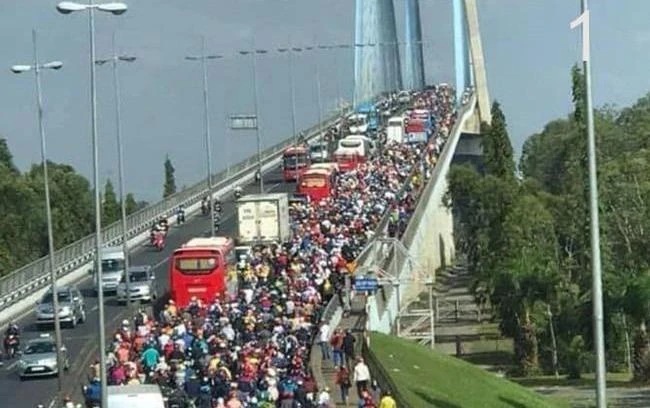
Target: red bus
(316, 184)
(295, 161)
(203, 267)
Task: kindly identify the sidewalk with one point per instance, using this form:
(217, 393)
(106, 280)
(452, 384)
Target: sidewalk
(324, 372)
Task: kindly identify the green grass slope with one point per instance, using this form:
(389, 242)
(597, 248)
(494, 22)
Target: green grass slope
(427, 379)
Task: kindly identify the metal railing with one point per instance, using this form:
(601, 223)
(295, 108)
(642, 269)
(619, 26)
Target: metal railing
(35, 275)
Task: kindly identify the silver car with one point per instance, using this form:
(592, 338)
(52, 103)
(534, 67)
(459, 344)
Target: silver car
(142, 285)
(112, 273)
(39, 358)
(72, 309)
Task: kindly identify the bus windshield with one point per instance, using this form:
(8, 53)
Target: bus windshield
(294, 160)
(196, 266)
(350, 144)
(314, 182)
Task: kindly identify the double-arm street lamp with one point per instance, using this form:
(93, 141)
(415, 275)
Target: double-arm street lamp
(204, 58)
(37, 67)
(115, 8)
(115, 59)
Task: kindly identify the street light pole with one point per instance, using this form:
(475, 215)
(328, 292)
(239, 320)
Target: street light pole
(48, 208)
(67, 7)
(206, 118)
(318, 92)
(115, 59)
(258, 134)
(597, 285)
(293, 94)
(208, 138)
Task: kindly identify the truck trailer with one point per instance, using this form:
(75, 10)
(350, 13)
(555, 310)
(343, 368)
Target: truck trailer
(263, 219)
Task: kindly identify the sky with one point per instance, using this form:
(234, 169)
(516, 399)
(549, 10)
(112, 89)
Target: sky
(528, 48)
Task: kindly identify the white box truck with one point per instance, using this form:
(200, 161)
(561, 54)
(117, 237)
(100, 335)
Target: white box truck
(131, 396)
(263, 218)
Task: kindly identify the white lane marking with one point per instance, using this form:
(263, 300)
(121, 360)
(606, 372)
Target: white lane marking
(13, 365)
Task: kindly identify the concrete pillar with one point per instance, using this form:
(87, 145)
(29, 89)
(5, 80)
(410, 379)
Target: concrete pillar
(413, 69)
(376, 55)
(460, 48)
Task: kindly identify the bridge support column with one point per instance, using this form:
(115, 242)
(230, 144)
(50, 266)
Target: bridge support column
(376, 57)
(413, 68)
(461, 54)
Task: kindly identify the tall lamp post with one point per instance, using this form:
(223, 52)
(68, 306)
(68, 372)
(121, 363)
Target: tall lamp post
(114, 60)
(319, 90)
(37, 67)
(67, 7)
(206, 112)
(597, 283)
(258, 133)
(292, 86)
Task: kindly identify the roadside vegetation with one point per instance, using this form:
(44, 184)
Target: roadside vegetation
(526, 237)
(426, 378)
(23, 230)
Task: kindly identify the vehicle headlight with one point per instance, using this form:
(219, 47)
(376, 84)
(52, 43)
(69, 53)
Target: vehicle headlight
(65, 311)
(50, 362)
(23, 364)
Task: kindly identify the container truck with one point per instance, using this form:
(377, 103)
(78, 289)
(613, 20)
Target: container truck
(263, 219)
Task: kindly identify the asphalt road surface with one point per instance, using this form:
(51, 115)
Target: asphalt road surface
(82, 342)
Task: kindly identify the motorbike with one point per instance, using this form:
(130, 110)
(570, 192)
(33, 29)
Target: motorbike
(12, 342)
(90, 402)
(159, 241)
(238, 193)
(204, 207)
(180, 217)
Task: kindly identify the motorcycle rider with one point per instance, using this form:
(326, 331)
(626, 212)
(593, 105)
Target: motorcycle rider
(12, 329)
(93, 393)
(204, 205)
(238, 191)
(180, 214)
(12, 339)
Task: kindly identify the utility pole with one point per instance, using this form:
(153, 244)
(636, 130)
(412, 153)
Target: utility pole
(597, 284)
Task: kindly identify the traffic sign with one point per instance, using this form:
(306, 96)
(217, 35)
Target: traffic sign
(238, 122)
(366, 284)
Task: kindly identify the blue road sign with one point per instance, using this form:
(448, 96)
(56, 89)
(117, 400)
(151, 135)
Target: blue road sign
(366, 284)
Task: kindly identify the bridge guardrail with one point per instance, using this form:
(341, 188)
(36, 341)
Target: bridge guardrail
(35, 275)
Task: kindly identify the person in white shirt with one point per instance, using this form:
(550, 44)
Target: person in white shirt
(324, 340)
(361, 376)
(324, 399)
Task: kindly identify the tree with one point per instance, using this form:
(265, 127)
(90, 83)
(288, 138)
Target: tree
(22, 225)
(130, 204)
(579, 94)
(110, 206)
(525, 277)
(6, 158)
(497, 149)
(71, 199)
(170, 179)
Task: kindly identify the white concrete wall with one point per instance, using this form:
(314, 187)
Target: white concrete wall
(432, 242)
